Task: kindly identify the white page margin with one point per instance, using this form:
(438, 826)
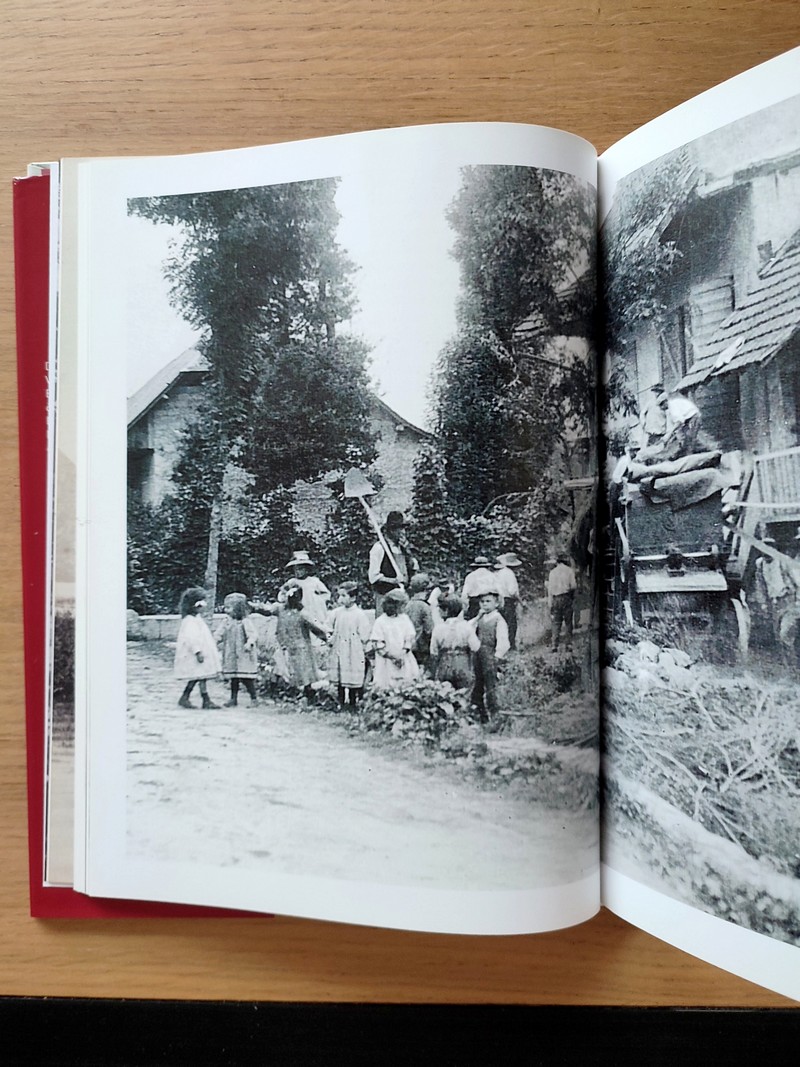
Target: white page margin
(754, 957)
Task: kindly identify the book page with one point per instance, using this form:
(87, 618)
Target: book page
(60, 592)
(700, 247)
(336, 614)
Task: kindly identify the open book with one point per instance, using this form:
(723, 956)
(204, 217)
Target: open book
(342, 549)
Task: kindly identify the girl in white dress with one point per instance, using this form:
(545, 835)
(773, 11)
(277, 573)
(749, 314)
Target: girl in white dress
(348, 662)
(393, 637)
(196, 655)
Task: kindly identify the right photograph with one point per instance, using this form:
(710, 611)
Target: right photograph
(700, 255)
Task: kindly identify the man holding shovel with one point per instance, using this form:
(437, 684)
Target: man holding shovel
(391, 563)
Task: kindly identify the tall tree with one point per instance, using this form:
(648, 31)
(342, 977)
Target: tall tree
(260, 273)
(525, 247)
(637, 264)
(503, 392)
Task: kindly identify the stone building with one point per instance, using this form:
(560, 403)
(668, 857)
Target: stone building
(170, 401)
(157, 412)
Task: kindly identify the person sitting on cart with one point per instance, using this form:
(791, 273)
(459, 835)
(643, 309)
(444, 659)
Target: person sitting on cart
(683, 419)
(654, 417)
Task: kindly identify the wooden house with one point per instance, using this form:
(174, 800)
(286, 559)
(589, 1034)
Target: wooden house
(728, 329)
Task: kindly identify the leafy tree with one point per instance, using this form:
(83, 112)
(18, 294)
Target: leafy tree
(431, 522)
(311, 413)
(636, 261)
(525, 246)
(260, 273)
(503, 392)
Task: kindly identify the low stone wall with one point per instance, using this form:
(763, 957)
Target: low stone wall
(535, 624)
(165, 627)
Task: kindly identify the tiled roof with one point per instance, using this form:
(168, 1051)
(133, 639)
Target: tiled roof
(761, 325)
(152, 390)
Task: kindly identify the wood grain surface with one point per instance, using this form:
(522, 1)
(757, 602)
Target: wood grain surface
(158, 76)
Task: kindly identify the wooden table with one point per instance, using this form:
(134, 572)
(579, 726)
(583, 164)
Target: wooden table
(158, 76)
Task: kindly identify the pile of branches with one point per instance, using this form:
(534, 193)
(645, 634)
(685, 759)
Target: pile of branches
(724, 752)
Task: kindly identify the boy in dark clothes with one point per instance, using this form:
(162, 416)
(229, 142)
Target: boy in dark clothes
(419, 611)
(492, 632)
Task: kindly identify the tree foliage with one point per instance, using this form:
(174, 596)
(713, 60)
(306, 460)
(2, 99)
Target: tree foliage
(503, 391)
(636, 262)
(260, 273)
(525, 247)
(254, 270)
(518, 378)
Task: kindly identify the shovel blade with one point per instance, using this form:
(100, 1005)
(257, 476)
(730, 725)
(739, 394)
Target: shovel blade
(355, 484)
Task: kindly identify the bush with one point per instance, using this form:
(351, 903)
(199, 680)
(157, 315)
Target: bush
(550, 699)
(424, 710)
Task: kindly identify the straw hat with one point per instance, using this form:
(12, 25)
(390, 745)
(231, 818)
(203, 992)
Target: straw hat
(300, 559)
(508, 559)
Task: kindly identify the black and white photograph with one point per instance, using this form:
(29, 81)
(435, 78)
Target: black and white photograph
(701, 518)
(361, 613)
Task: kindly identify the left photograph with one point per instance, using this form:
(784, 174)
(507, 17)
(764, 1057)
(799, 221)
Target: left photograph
(335, 585)
(336, 621)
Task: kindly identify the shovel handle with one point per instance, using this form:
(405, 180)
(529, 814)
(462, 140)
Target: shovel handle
(373, 518)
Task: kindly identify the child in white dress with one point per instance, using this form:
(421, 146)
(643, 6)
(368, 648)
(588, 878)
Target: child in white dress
(196, 655)
(393, 637)
(237, 639)
(348, 662)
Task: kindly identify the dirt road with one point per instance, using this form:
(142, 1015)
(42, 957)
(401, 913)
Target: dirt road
(271, 786)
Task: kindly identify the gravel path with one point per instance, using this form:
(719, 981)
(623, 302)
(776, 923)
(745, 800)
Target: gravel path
(272, 786)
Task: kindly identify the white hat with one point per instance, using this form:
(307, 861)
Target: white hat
(300, 559)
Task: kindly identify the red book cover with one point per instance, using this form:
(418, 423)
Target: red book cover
(31, 203)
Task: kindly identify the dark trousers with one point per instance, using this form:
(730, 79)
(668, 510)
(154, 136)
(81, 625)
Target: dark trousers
(509, 613)
(473, 607)
(248, 683)
(561, 610)
(484, 691)
(684, 440)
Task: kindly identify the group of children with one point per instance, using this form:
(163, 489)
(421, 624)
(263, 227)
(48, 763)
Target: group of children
(421, 633)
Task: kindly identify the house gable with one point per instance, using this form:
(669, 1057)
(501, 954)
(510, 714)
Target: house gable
(171, 401)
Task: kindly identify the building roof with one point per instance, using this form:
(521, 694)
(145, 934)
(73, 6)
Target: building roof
(761, 325)
(163, 380)
(191, 361)
(384, 408)
(684, 184)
